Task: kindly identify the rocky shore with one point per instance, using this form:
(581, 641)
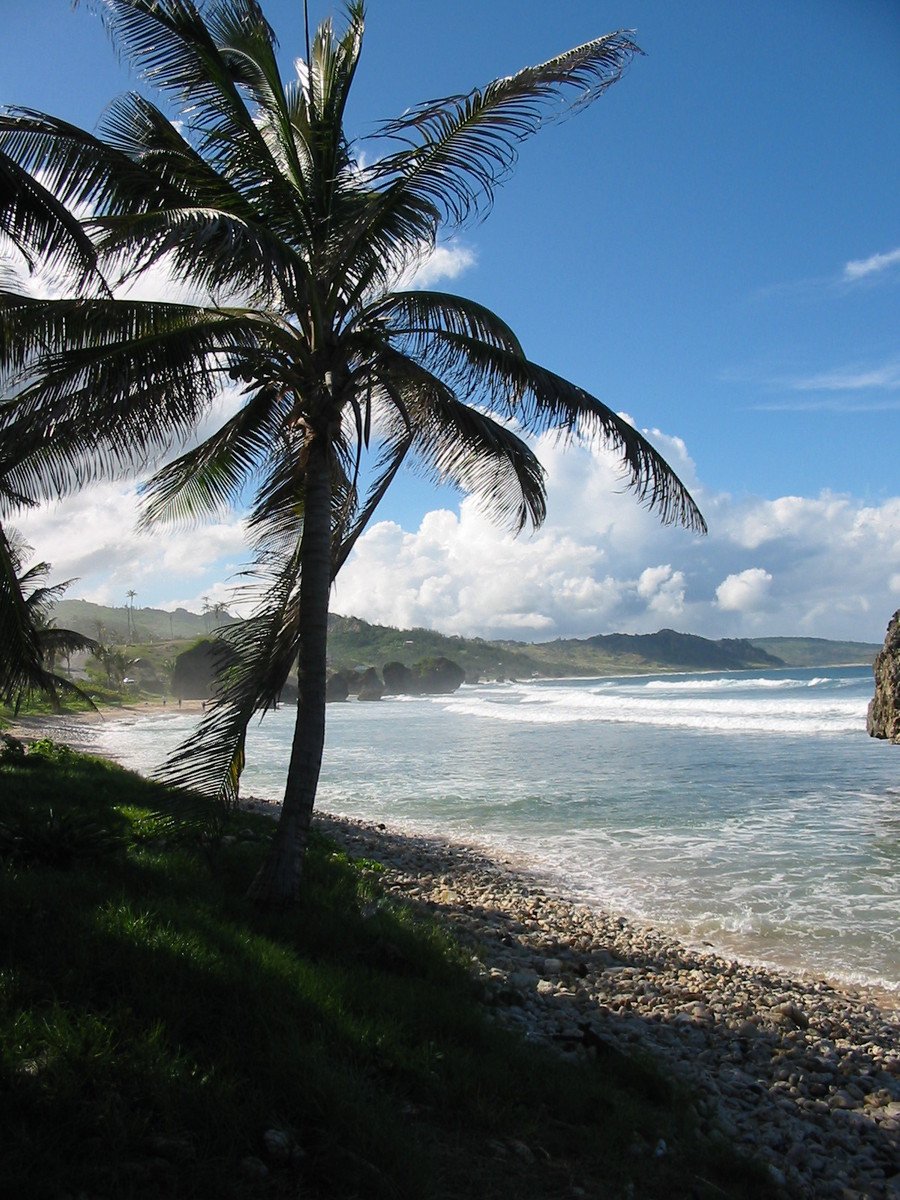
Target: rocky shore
(800, 1073)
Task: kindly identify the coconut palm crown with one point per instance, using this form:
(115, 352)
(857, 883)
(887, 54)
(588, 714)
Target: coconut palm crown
(287, 252)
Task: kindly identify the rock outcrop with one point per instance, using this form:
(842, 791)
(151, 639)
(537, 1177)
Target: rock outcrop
(370, 686)
(436, 677)
(336, 688)
(428, 677)
(196, 669)
(397, 679)
(883, 720)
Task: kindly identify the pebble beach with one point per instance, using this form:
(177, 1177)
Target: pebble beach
(800, 1072)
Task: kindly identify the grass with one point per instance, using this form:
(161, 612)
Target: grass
(161, 1037)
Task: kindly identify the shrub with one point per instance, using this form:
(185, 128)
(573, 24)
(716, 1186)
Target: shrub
(54, 839)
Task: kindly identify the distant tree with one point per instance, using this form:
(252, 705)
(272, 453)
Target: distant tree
(129, 614)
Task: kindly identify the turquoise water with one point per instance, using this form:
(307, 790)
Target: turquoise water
(746, 810)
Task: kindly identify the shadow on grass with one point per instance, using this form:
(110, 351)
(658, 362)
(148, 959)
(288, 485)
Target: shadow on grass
(156, 1025)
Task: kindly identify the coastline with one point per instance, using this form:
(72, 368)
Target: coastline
(75, 730)
(803, 1072)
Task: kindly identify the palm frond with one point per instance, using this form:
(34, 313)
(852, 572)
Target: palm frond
(39, 225)
(211, 477)
(455, 443)
(177, 48)
(26, 642)
(83, 173)
(108, 385)
(261, 651)
(458, 149)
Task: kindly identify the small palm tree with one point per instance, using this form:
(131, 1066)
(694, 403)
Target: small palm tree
(292, 250)
(129, 613)
(29, 640)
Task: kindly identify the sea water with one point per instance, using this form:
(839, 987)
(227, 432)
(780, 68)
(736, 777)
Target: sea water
(749, 811)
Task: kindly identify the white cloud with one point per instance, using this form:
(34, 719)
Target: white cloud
(744, 592)
(92, 537)
(823, 566)
(432, 265)
(663, 589)
(886, 376)
(876, 263)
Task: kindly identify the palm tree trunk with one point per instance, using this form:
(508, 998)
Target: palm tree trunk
(278, 881)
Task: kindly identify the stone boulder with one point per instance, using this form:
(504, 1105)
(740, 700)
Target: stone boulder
(370, 686)
(336, 688)
(397, 679)
(437, 677)
(883, 719)
(195, 671)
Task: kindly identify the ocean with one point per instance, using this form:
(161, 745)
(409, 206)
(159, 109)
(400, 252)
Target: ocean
(747, 811)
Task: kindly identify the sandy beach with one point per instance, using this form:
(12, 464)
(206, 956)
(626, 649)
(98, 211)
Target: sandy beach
(798, 1070)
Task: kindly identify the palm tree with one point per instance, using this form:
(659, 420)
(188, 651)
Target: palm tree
(257, 201)
(129, 614)
(30, 642)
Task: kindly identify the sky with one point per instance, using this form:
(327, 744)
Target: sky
(712, 248)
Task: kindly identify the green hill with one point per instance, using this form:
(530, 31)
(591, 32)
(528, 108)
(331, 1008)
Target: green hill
(150, 624)
(353, 642)
(819, 652)
(667, 650)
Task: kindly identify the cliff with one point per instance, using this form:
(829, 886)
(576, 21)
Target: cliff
(883, 720)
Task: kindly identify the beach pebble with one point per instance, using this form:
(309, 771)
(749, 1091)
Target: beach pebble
(802, 1074)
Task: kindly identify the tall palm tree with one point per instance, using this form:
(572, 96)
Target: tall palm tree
(256, 200)
(129, 613)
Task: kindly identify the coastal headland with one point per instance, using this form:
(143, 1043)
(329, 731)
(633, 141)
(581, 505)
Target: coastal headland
(801, 1071)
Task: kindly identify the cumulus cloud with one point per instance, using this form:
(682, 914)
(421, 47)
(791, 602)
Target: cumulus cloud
(822, 566)
(92, 537)
(447, 261)
(744, 592)
(876, 263)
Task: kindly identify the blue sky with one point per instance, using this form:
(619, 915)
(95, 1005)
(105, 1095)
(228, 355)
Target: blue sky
(713, 248)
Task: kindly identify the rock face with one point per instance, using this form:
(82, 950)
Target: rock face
(397, 679)
(370, 686)
(428, 677)
(195, 669)
(437, 676)
(336, 688)
(883, 720)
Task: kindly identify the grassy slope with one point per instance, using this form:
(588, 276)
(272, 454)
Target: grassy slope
(818, 652)
(154, 1026)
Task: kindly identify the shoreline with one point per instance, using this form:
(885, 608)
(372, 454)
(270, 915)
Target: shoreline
(801, 1073)
(798, 1071)
(73, 729)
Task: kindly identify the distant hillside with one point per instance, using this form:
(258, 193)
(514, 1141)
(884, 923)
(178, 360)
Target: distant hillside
(150, 624)
(353, 642)
(667, 650)
(819, 652)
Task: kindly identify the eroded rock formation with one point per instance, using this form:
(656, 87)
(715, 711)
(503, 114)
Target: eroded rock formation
(883, 720)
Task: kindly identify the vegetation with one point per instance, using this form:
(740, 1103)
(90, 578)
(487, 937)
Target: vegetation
(150, 625)
(819, 652)
(30, 642)
(159, 1035)
(254, 198)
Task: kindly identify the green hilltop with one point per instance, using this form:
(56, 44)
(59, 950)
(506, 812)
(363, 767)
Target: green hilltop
(353, 642)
